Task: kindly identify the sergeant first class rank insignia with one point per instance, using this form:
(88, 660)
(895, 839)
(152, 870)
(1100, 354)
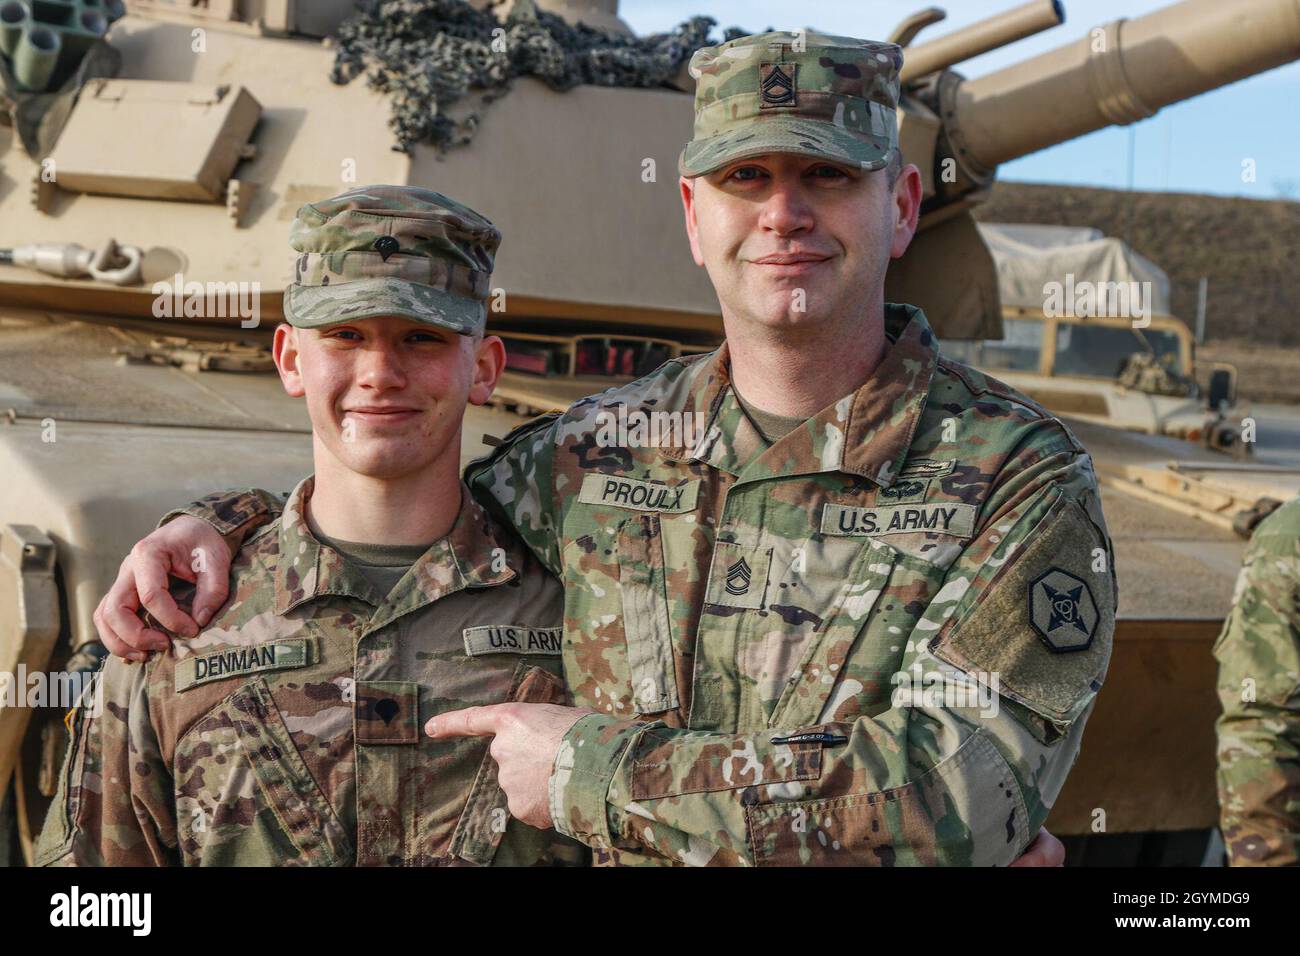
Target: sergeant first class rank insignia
(777, 84)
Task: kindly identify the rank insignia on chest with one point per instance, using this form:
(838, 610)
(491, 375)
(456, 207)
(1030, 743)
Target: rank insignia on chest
(739, 576)
(1062, 611)
(386, 712)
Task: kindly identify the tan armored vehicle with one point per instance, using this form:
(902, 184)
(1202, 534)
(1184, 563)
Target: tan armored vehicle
(133, 367)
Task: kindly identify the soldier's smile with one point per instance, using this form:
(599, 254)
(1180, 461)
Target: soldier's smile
(382, 415)
(789, 265)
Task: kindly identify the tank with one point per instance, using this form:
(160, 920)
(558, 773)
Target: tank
(143, 257)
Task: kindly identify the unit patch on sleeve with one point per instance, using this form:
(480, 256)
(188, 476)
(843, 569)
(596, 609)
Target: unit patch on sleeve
(638, 495)
(1062, 611)
(511, 639)
(956, 520)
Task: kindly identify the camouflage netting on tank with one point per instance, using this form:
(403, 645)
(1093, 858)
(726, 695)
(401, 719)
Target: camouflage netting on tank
(429, 54)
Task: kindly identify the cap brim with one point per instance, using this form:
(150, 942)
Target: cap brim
(317, 306)
(785, 134)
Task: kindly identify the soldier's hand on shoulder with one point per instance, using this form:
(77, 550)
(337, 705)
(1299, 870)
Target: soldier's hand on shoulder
(186, 548)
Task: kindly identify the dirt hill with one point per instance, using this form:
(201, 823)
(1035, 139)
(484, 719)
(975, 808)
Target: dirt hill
(1249, 249)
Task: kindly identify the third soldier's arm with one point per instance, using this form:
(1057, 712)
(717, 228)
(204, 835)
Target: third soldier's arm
(927, 781)
(115, 805)
(1259, 687)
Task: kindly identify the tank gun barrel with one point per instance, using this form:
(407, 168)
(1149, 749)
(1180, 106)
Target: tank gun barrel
(981, 37)
(1118, 74)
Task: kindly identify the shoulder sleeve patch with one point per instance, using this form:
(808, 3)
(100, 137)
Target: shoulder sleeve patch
(1044, 624)
(1062, 611)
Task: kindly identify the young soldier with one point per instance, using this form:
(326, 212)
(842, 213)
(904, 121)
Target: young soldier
(864, 618)
(288, 730)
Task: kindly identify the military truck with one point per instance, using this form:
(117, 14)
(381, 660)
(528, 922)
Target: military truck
(145, 195)
(1086, 331)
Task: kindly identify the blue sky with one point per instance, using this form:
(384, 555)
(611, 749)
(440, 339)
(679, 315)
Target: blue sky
(1180, 149)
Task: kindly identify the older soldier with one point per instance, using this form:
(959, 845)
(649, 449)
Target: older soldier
(1259, 685)
(288, 730)
(856, 606)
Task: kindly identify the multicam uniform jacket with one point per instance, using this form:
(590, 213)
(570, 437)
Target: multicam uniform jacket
(876, 641)
(290, 730)
(1259, 686)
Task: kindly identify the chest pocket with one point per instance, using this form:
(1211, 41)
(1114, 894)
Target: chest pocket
(483, 824)
(225, 817)
(643, 584)
(846, 665)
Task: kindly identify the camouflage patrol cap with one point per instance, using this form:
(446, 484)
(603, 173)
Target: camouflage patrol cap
(391, 250)
(805, 93)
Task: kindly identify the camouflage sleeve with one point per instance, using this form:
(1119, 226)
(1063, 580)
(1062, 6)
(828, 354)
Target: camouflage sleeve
(516, 484)
(114, 806)
(984, 724)
(235, 514)
(1259, 687)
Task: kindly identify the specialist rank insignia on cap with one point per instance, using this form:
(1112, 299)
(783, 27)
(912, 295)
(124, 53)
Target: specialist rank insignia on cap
(1062, 611)
(386, 246)
(778, 84)
(391, 250)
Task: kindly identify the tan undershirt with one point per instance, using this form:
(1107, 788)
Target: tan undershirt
(383, 565)
(771, 427)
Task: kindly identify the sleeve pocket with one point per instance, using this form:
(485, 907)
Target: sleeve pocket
(669, 765)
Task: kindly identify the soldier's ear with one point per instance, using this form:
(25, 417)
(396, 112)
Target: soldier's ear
(287, 358)
(489, 362)
(907, 209)
(688, 209)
